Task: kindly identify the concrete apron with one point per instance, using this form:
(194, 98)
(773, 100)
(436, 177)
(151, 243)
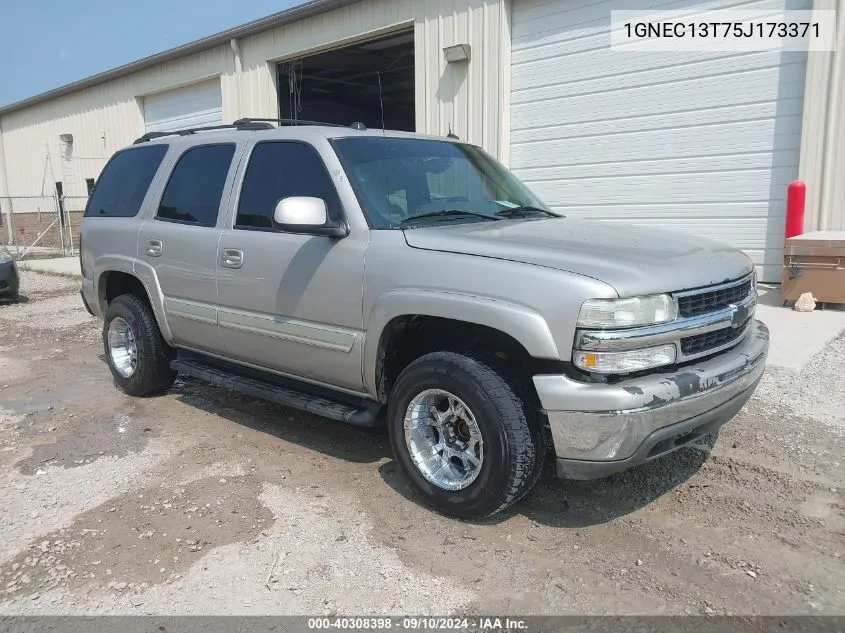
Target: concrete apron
(60, 266)
(797, 336)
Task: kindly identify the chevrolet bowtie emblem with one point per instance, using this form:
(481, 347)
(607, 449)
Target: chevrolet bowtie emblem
(740, 315)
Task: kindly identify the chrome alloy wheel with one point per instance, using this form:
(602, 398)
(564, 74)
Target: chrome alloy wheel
(443, 439)
(122, 347)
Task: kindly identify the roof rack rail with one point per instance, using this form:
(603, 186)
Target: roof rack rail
(238, 125)
(291, 122)
(247, 123)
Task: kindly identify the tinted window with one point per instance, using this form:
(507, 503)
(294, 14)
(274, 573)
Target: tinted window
(124, 182)
(279, 170)
(196, 185)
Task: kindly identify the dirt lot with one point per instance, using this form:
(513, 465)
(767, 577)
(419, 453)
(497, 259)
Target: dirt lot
(203, 502)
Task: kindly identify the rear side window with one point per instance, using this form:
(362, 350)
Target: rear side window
(121, 188)
(281, 169)
(193, 193)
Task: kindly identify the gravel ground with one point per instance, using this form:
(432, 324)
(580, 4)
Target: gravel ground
(817, 391)
(37, 284)
(204, 501)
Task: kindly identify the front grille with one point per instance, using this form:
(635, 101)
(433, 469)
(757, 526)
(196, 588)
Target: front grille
(711, 340)
(711, 300)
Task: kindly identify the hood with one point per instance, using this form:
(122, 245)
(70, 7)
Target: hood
(634, 260)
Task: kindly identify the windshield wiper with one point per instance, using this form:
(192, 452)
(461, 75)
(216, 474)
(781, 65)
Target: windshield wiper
(525, 211)
(445, 214)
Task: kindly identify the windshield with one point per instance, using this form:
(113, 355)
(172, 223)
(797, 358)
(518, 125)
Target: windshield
(398, 179)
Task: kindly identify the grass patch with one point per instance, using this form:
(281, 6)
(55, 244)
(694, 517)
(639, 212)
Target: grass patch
(50, 255)
(52, 273)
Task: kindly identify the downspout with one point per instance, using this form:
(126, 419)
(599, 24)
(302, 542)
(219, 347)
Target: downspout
(505, 61)
(235, 45)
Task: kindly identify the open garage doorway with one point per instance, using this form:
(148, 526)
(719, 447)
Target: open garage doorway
(342, 85)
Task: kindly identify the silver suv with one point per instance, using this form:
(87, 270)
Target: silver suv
(378, 277)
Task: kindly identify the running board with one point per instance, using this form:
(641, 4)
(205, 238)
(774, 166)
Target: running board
(367, 415)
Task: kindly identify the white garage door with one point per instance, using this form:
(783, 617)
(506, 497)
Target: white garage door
(703, 143)
(196, 105)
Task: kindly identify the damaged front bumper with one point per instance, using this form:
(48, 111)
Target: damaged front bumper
(599, 429)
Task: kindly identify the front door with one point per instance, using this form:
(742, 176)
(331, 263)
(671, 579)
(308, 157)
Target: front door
(290, 302)
(180, 243)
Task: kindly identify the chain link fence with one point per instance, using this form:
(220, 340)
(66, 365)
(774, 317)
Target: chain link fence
(41, 224)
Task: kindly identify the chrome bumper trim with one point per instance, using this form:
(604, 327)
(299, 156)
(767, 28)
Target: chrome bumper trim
(659, 443)
(672, 332)
(599, 421)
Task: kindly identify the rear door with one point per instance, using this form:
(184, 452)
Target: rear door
(179, 242)
(291, 302)
(113, 214)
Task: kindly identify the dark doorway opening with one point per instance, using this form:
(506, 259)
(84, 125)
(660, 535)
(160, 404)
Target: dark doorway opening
(60, 196)
(353, 84)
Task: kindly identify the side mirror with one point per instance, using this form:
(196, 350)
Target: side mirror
(301, 214)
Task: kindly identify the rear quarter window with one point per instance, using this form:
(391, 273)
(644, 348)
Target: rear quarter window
(122, 185)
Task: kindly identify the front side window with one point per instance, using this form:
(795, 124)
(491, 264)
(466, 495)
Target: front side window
(193, 193)
(404, 180)
(282, 169)
(124, 182)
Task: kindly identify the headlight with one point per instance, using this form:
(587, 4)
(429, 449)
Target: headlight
(624, 362)
(617, 313)
(5, 256)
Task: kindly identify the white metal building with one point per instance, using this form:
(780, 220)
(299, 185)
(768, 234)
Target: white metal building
(704, 143)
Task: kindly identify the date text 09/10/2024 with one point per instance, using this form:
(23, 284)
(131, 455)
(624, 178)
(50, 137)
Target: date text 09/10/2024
(486, 624)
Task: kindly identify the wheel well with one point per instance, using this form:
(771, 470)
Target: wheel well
(114, 283)
(409, 337)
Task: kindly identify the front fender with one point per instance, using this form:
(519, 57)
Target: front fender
(526, 326)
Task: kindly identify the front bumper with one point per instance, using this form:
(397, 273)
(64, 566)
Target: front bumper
(599, 429)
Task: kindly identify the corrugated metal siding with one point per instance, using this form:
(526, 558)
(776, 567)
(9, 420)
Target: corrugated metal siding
(5, 203)
(823, 139)
(703, 143)
(467, 97)
(102, 119)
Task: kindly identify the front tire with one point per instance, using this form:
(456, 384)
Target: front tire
(137, 354)
(461, 435)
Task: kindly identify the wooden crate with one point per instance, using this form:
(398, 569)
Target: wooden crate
(815, 263)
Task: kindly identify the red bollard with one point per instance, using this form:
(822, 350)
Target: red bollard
(796, 195)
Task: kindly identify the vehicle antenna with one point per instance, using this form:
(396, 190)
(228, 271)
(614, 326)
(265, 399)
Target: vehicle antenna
(380, 100)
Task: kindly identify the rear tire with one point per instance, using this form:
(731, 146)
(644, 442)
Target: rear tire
(137, 354)
(483, 479)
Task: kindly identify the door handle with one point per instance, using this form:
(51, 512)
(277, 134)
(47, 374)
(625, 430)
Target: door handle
(154, 248)
(232, 257)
